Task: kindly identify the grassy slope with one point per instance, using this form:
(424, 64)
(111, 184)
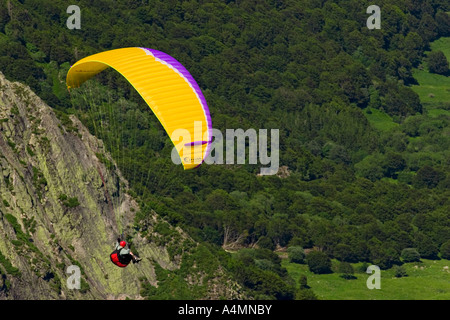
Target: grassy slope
(434, 89)
(428, 281)
(380, 120)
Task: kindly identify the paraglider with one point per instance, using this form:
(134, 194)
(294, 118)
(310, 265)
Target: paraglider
(168, 89)
(171, 93)
(121, 257)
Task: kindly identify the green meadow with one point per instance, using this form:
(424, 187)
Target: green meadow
(434, 89)
(379, 119)
(442, 44)
(425, 280)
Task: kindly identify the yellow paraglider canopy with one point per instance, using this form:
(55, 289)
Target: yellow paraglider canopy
(167, 87)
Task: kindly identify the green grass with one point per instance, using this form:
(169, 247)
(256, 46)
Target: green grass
(433, 89)
(442, 44)
(434, 113)
(379, 119)
(429, 281)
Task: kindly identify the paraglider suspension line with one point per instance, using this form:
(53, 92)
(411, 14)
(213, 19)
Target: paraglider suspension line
(108, 198)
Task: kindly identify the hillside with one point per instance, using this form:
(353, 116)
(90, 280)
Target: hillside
(55, 211)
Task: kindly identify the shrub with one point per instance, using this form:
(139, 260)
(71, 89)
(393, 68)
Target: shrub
(319, 262)
(363, 267)
(296, 254)
(72, 203)
(8, 266)
(410, 255)
(346, 270)
(69, 202)
(303, 281)
(399, 271)
(305, 294)
(437, 62)
(62, 197)
(266, 243)
(30, 151)
(445, 250)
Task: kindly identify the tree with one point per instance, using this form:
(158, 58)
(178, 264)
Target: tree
(303, 282)
(266, 243)
(445, 250)
(346, 270)
(413, 45)
(400, 271)
(370, 167)
(427, 27)
(437, 62)
(410, 255)
(4, 18)
(319, 262)
(393, 163)
(352, 80)
(344, 252)
(428, 177)
(296, 254)
(426, 247)
(401, 101)
(278, 229)
(443, 22)
(305, 294)
(220, 200)
(383, 256)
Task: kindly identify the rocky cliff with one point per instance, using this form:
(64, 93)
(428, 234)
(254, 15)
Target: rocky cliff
(61, 206)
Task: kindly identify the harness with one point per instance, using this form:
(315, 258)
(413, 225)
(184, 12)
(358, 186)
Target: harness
(120, 260)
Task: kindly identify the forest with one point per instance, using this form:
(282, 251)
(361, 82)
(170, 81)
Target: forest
(364, 162)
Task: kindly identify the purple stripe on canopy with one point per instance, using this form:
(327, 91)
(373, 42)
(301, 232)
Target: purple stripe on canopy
(196, 143)
(180, 68)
